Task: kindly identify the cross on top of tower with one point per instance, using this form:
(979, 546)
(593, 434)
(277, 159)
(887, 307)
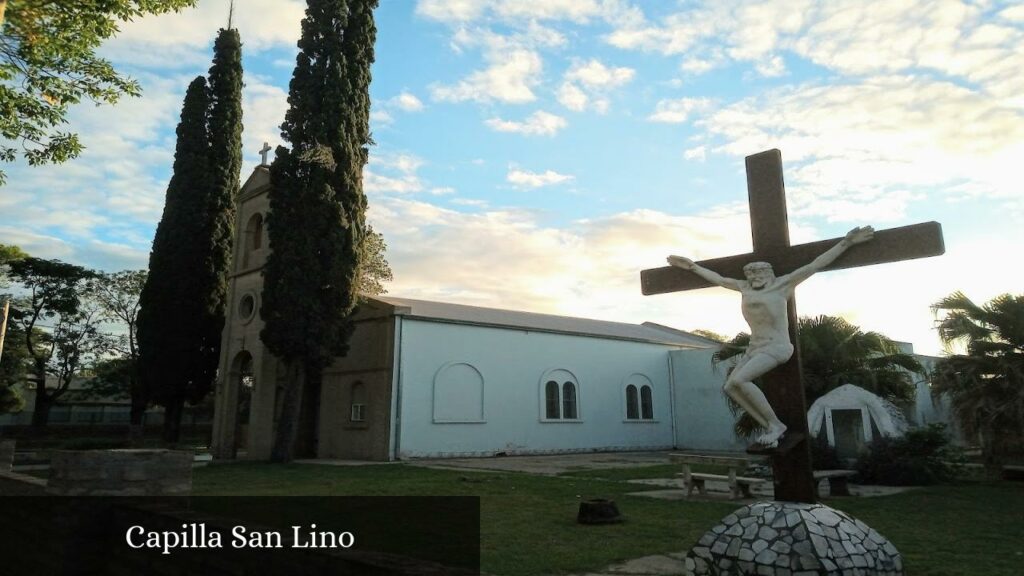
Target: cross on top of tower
(263, 152)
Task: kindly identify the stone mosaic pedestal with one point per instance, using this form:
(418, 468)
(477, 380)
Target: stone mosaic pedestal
(786, 538)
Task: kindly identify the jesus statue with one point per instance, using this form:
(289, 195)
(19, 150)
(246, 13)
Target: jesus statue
(763, 301)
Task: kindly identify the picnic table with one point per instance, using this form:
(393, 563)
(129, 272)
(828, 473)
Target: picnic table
(739, 486)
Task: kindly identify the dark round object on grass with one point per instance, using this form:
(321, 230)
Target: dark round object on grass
(598, 511)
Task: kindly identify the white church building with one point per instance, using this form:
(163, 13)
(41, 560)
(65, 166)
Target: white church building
(431, 379)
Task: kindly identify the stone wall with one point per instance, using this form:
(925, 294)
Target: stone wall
(120, 473)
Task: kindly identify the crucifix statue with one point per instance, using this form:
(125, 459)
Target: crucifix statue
(769, 307)
(263, 154)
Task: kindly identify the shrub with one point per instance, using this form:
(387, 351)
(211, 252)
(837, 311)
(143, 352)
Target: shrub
(921, 457)
(823, 456)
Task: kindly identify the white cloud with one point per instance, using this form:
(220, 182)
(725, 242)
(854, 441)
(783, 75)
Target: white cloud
(518, 11)
(586, 84)
(393, 173)
(509, 79)
(879, 144)
(594, 74)
(590, 268)
(451, 10)
(858, 38)
(407, 102)
(263, 109)
(183, 39)
(381, 117)
(527, 179)
(570, 96)
(539, 123)
(698, 153)
(1013, 14)
(677, 111)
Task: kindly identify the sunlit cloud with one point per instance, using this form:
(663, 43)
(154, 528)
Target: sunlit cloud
(526, 179)
(539, 123)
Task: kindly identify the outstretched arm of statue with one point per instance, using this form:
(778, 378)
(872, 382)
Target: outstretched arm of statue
(856, 236)
(709, 275)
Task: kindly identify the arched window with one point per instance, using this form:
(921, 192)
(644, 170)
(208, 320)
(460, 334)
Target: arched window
(569, 401)
(559, 396)
(357, 411)
(551, 401)
(255, 231)
(646, 403)
(632, 404)
(639, 391)
(253, 237)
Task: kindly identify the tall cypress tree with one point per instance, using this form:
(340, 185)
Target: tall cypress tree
(169, 311)
(224, 125)
(182, 306)
(225, 129)
(317, 207)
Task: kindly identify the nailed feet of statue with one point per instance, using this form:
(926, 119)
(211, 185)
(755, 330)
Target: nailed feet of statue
(770, 439)
(782, 445)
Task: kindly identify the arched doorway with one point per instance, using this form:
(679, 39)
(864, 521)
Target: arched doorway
(244, 382)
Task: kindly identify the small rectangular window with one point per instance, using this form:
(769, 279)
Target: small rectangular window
(359, 412)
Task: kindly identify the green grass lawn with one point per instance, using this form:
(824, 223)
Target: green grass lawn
(528, 523)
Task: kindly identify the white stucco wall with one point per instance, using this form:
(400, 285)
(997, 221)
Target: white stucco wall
(703, 419)
(513, 365)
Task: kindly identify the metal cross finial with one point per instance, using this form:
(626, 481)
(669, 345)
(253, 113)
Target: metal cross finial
(231, 13)
(263, 152)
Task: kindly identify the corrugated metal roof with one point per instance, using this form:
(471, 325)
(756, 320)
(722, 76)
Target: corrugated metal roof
(462, 314)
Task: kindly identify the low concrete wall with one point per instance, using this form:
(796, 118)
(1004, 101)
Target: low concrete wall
(121, 473)
(14, 484)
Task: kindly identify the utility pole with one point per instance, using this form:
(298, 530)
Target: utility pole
(3, 323)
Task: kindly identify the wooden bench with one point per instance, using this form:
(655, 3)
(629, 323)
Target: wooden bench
(836, 481)
(739, 486)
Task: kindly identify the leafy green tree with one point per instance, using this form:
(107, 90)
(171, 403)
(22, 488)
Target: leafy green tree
(316, 217)
(834, 352)
(985, 384)
(12, 372)
(8, 253)
(709, 334)
(14, 366)
(176, 360)
(48, 62)
(374, 269)
(119, 296)
(55, 300)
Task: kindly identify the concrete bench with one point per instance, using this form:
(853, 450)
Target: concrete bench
(836, 481)
(739, 486)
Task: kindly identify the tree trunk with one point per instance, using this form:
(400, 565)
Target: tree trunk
(291, 410)
(41, 412)
(309, 416)
(136, 418)
(172, 419)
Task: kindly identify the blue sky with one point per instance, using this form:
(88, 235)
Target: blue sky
(538, 155)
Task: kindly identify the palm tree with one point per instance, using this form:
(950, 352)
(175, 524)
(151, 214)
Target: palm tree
(834, 352)
(985, 385)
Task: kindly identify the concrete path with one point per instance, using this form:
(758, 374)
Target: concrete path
(657, 565)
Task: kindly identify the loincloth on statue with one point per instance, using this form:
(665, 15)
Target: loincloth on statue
(780, 351)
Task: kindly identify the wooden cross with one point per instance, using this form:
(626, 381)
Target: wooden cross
(263, 152)
(769, 225)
